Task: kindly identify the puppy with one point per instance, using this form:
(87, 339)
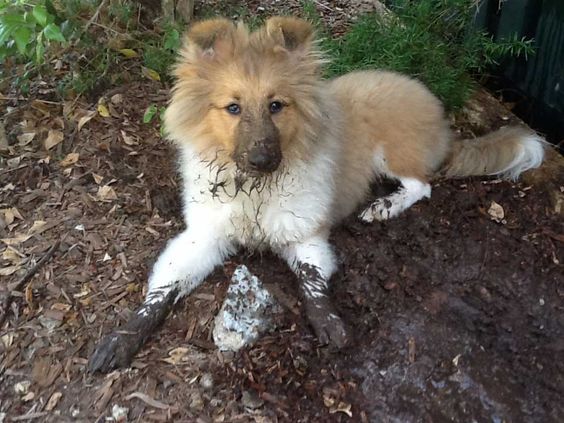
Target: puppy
(272, 156)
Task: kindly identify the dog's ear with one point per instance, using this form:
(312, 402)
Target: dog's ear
(291, 33)
(205, 34)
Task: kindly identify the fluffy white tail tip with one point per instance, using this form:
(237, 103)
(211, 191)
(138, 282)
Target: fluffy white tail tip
(529, 156)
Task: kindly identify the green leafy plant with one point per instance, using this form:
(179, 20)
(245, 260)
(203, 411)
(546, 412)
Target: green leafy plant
(28, 28)
(432, 40)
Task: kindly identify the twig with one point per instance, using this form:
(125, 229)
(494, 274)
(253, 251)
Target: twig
(94, 16)
(26, 278)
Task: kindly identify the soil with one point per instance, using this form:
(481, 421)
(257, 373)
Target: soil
(456, 312)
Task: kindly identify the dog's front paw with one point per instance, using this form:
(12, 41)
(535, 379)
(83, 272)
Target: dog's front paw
(328, 327)
(113, 351)
(381, 209)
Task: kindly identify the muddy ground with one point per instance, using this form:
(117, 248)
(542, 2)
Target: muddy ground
(456, 316)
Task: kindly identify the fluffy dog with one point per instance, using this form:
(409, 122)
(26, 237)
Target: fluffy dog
(272, 155)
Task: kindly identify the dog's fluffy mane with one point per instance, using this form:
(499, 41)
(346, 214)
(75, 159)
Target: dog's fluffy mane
(217, 52)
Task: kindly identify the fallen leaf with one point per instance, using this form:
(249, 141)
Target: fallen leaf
(103, 110)
(3, 138)
(149, 401)
(496, 212)
(53, 138)
(18, 239)
(176, 355)
(343, 407)
(150, 73)
(7, 271)
(128, 139)
(25, 138)
(106, 193)
(22, 387)
(128, 52)
(97, 178)
(11, 214)
(85, 119)
(7, 339)
(37, 227)
(70, 159)
(52, 403)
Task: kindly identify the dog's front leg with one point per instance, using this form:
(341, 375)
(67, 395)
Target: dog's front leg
(182, 266)
(313, 262)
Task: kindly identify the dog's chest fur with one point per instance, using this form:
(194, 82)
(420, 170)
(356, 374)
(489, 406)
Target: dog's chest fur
(288, 206)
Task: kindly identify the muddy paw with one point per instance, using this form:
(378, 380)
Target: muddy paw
(113, 351)
(333, 332)
(381, 209)
(330, 330)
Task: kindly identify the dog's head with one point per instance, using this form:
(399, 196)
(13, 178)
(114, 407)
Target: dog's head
(250, 96)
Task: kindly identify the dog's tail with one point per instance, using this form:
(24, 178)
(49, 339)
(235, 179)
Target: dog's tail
(506, 153)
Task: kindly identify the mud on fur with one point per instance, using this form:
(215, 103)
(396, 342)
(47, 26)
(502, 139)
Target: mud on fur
(272, 156)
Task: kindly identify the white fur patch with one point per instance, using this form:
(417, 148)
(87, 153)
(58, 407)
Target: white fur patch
(189, 258)
(529, 156)
(315, 251)
(411, 191)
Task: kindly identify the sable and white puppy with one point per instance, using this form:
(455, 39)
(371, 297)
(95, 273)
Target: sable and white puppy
(272, 156)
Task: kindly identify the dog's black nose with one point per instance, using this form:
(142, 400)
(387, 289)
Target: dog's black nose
(259, 158)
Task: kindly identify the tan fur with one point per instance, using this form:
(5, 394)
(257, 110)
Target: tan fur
(375, 115)
(487, 155)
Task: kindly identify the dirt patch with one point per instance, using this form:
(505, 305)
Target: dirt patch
(455, 316)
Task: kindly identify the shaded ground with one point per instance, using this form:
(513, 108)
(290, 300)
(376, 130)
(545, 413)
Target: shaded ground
(455, 317)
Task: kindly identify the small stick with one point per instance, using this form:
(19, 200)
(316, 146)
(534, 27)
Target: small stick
(25, 279)
(94, 16)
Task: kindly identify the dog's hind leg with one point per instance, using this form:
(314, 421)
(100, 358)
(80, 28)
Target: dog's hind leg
(181, 267)
(313, 262)
(409, 192)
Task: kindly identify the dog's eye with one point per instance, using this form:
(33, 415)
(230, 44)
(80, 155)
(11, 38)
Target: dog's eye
(234, 109)
(276, 106)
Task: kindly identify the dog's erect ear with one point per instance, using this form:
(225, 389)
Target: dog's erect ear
(291, 33)
(204, 34)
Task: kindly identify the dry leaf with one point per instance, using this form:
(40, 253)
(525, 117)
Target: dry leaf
(7, 271)
(12, 255)
(103, 110)
(25, 138)
(150, 73)
(176, 355)
(97, 178)
(52, 403)
(37, 227)
(7, 339)
(128, 139)
(343, 407)
(70, 159)
(496, 212)
(11, 214)
(85, 119)
(18, 239)
(53, 138)
(128, 52)
(106, 193)
(3, 138)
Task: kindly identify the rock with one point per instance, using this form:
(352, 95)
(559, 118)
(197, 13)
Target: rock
(119, 413)
(251, 400)
(246, 312)
(206, 381)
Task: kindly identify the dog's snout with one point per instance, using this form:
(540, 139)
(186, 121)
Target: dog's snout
(264, 156)
(259, 158)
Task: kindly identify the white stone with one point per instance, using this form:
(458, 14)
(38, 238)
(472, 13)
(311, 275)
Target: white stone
(246, 312)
